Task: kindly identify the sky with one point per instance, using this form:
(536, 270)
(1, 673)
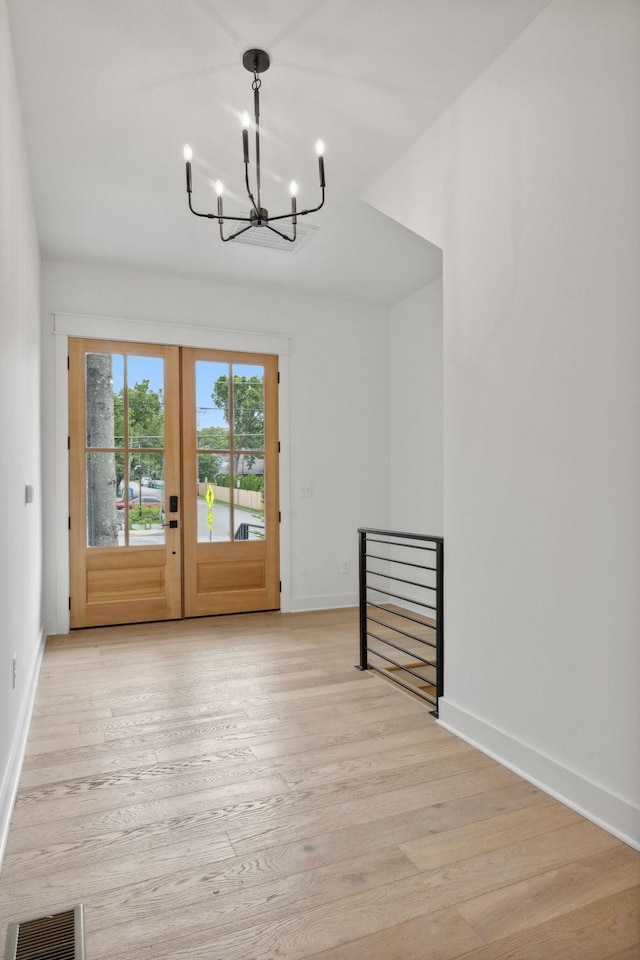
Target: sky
(207, 372)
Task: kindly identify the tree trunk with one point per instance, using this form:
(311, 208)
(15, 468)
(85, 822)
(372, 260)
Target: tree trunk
(102, 523)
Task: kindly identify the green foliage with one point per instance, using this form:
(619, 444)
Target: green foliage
(145, 429)
(213, 438)
(250, 482)
(145, 516)
(210, 464)
(146, 415)
(248, 409)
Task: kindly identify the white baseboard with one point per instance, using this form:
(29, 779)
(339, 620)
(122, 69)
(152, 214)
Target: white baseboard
(606, 809)
(11, 780)
(336, 600)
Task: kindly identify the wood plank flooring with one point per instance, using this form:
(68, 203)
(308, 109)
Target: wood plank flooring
(232, 789)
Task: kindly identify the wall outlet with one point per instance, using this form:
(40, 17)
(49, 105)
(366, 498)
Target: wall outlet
(14, 673)
(345, 566)
(306, 489)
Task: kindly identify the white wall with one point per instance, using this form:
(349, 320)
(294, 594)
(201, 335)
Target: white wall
(20, 567)
(337, 410)
(415, 412)
(540, 215)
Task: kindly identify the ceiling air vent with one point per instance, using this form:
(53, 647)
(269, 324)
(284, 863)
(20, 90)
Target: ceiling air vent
(53, 936)
(263, 237)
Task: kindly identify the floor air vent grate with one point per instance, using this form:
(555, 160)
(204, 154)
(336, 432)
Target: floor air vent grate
(54, 936)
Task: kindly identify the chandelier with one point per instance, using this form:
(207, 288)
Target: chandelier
(256, 62)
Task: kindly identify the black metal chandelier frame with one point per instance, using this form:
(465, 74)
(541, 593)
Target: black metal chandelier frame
(256, 62)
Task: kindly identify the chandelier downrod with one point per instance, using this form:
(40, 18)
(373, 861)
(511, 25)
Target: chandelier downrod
(256, 62)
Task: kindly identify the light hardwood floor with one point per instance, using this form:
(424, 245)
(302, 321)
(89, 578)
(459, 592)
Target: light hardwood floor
(232, 789)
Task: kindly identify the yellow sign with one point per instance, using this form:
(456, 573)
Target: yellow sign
(210, 497)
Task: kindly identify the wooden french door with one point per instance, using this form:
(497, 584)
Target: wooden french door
(173, 457)
(230, 473)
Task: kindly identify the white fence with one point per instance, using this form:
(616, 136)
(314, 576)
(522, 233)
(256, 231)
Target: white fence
(253, 499)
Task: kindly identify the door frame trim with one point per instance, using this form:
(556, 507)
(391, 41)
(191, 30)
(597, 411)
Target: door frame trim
(67, 325)
(169, 334)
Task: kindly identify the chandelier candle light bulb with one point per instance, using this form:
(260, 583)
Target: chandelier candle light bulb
(219, 191)
(256, 62)
(188, 154)
(320, 152)
(246, 121)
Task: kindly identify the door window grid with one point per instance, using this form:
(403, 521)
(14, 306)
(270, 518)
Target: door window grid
(230, 400)
(124, 435)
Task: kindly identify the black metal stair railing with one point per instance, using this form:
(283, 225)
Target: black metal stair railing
(243, 531)
(403, 632)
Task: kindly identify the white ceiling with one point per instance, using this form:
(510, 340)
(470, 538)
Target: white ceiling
(111, 90)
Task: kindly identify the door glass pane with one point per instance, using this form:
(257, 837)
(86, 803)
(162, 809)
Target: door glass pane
(125, 481)
(212, 405)
(133, 515)
(104, 399)
(213, 434)
(145, 401)
(248, 407)
(214, 511)
(145, 508)
(102, 517)
(248, 511)
(146, 469)
(230, 451)
(247, 469)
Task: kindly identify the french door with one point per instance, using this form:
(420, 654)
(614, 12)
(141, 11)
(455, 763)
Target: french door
(230, 482)
(173, 464)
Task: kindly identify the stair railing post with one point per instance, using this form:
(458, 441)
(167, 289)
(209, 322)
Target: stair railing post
(363, 665)
(439, 621)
